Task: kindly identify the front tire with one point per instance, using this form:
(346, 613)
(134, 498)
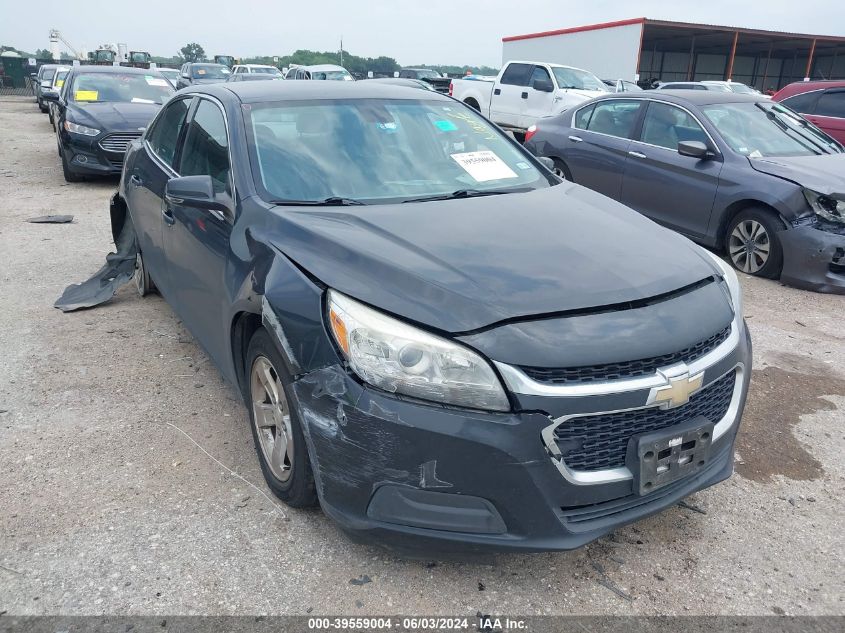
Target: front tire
(752, 243)
(561, 170)
(276, 426)
(69, 175)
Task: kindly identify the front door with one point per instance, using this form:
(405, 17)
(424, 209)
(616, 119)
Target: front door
(196, 241)
(509, 93)
(539, 103)
(677, 191)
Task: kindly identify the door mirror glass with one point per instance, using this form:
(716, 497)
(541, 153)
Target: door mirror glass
(543, 85)
(694, 149)
(192, 191)
(50, 96)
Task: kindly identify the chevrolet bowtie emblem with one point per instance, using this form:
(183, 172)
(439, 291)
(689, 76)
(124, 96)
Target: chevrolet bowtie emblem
(681, 386)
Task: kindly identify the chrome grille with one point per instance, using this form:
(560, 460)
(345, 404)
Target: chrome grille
(119, 141)
(625, 369)
(599, 442)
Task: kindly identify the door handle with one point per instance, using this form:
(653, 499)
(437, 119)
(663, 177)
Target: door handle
(576, 139)
(524, 95)
(167, 214)
(135, 181)
(637, 154)
(497, 91)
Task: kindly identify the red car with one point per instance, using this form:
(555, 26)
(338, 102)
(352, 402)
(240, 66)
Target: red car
(821, 102)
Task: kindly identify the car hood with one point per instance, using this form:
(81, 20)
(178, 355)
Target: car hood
(114, 116)
(209, 80)
(824, 174)
(460, 265)
(582, 94)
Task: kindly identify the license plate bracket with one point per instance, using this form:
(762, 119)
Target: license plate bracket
(659, 458)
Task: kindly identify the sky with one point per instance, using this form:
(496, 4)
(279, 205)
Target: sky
(460, 32)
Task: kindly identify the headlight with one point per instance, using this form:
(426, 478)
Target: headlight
(403, 359)
(80, 129)
(825, 206)
(731, 281)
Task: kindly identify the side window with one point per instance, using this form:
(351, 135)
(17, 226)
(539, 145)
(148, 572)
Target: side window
(804, 103)
(665, 126)
(615, 117)
(540, 74)
(582, 117)
(516, 75)
(832, 103)
(206, 148)
(164, 136)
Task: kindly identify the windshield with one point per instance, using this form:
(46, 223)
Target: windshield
(266, 71)
(378, 151)
(331, 75)
(121, 88)
(59, 79)
(578, 79)
(760, 129)
(427, 74)
(48, 74)
(209, 71)
(742, 89)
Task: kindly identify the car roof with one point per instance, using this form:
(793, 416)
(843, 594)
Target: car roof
(800, 87)
(694, 97)
(261, 91)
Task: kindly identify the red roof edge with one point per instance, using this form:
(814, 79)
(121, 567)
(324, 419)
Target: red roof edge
(577, 29)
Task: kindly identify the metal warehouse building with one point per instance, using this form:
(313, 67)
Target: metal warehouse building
(644, 50)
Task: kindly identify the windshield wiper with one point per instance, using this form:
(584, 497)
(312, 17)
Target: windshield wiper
(334, 201)
(803, 133)
(468, 193)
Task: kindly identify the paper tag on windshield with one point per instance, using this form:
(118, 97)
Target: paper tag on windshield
(86, 95)
(155, 81)
(484, 166)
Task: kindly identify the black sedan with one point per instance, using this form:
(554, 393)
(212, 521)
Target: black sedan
(99, 110)
(733, 172)
(424, 322)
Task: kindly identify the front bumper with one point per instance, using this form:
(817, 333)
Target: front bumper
(85, 156)
(415, 476)
(813, 259)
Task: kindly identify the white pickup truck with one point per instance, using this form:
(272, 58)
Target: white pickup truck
(527, 91)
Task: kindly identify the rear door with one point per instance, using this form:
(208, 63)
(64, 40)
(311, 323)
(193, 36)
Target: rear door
(597, 150)
(829, 113)
(146, 178)
(677, 191)
(196, 241)
(539, 103)
(509, 92)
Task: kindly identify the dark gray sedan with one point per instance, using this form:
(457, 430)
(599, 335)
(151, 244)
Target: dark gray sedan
(730, 171)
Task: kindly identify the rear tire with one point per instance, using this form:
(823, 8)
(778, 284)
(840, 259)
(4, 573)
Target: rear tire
(143, 282)
(41, 106)
(561, 170)
(276, 427)
(752, 243)
(69, 175)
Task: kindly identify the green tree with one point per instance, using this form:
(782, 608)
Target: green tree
(192, 52)
(43, 53)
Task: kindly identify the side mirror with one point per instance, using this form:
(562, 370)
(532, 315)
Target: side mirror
(543, 85)
(546, 162)
(193, 191)
(695, 149)
(50, 96)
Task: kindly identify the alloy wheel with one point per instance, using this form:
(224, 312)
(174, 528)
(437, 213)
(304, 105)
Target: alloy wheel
(749, 246)
(271, 417)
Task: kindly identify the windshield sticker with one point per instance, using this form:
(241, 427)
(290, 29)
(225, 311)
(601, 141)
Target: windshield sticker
(155, 81)
(86, 95)
(522, 165)
(201, 71)
(60, 83)
(139, 100)
(391, 126)
(446, 126)
(484, 166)
(476, 125)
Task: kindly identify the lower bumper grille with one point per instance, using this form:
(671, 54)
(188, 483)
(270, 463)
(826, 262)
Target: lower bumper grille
(599, 442)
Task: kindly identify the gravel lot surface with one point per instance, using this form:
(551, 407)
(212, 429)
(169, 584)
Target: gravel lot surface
(107, 506)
